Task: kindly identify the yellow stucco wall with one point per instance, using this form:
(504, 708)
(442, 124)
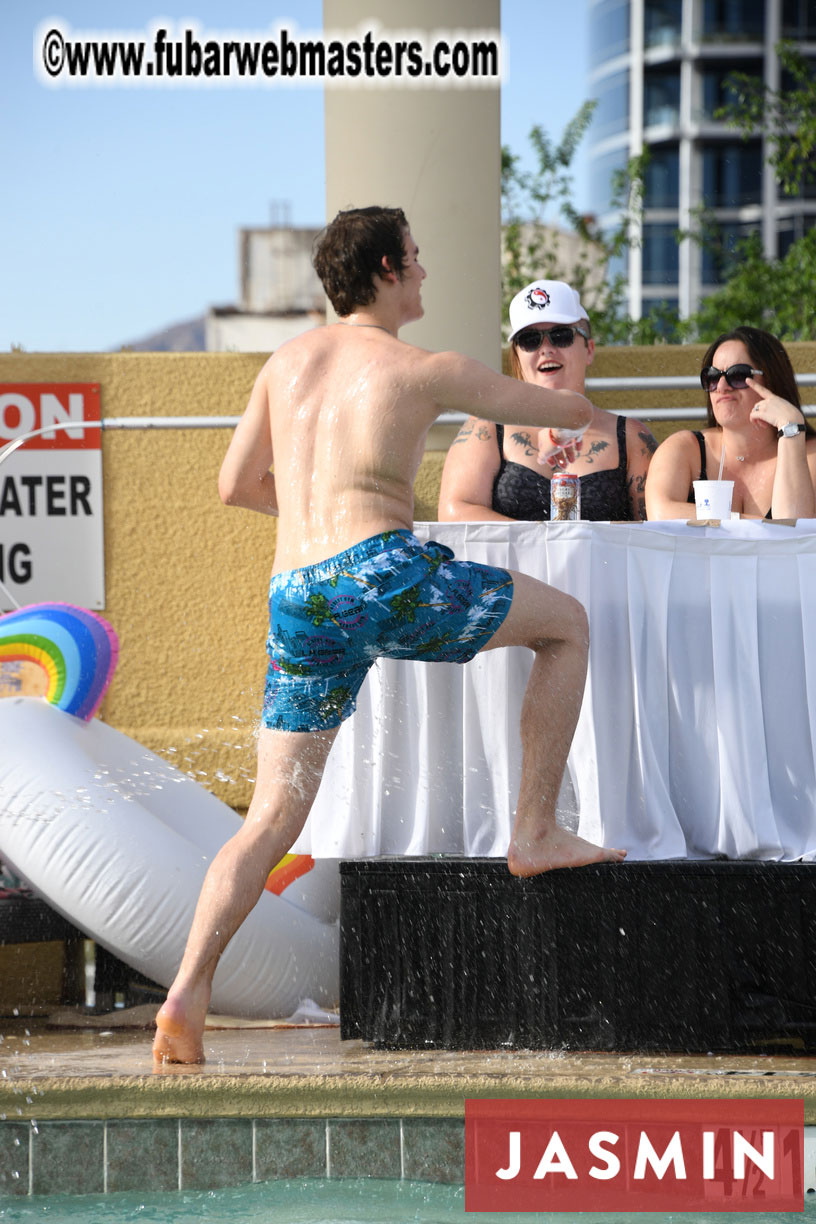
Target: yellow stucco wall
(186, 578)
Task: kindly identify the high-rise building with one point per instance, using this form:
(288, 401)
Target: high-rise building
(659, 70)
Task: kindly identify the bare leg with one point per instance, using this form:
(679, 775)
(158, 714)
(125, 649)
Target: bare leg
(290, 766)
(554, 625)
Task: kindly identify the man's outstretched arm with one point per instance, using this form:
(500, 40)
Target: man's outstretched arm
(463, 385)
(245, 479)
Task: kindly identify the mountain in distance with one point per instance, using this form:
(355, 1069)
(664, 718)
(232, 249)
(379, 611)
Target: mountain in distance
(186, 337)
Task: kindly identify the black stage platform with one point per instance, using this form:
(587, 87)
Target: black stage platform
(26, 919)
(455, 953)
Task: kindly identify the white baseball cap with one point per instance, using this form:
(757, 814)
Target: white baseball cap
(545, 301)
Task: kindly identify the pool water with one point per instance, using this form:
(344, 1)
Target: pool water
(346, 1201)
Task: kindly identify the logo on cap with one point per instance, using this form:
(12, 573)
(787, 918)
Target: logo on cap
(538, 297)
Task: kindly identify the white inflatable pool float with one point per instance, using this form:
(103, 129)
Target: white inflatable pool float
(118, 841)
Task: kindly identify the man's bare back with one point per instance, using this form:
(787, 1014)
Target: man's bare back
(342, 413)
(330, 442)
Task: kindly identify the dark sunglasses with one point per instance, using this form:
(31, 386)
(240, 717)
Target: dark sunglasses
(561, 336)
(736, 376)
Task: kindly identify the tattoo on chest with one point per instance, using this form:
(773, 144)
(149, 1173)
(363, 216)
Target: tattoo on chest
(595, 449)
(526, 443)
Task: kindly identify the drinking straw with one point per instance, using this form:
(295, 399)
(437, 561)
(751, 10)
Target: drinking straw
(722, 461)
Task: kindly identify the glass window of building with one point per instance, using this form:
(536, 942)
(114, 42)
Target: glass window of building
(662, 311)
(662, 22)
(661, 186)
(791, 88)
(789, 229)
(806, 189)
(660, 258)
(602, 172)
(732, 174)
(608, 30)
(715, 91)
(661, 96)
(799, 19)
(612, 112)
(736, 20)
(791, 84)
(719, 255)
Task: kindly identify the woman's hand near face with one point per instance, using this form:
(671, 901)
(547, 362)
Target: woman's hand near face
(772, 410)
(794, 487)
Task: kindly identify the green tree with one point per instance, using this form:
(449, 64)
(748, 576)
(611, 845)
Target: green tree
(776, 294)
(786, 116)
(532, 202)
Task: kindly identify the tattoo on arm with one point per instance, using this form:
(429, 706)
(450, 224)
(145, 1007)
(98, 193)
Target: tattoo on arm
(472, 426)
(649, 441)
(524, 440)
(637, 497)
(464, 433)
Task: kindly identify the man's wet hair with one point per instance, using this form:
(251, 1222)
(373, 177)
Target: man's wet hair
(349, 252)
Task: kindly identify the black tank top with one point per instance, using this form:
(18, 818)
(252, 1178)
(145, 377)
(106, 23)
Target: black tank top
(521, 493)
(701, 443)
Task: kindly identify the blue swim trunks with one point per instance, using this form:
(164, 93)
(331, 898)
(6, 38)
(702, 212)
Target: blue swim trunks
(388, 596)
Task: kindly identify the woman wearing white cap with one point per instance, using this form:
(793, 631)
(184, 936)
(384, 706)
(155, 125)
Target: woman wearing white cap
(493, 472)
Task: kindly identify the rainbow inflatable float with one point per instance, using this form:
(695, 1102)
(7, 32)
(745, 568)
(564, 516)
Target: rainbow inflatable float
(118, 841)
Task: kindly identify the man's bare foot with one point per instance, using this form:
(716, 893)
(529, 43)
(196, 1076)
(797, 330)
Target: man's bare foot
(180, 1029)
(556, 848)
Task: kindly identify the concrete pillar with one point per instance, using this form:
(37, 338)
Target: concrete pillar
(636, 51)
(773, 79)
(436, 153)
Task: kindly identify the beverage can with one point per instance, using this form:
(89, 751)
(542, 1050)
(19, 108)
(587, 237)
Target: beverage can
(565, 498)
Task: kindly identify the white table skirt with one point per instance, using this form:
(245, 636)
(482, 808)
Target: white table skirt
(697, 733)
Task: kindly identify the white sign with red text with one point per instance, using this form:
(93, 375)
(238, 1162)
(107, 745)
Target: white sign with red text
(51, 521)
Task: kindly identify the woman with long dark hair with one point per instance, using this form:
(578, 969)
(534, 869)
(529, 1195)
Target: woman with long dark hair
(754, 416)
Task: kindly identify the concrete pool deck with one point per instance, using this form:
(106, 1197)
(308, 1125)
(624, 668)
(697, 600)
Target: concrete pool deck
(307, 1072)
(86, 1112)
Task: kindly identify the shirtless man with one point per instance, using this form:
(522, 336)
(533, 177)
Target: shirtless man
(343, 411)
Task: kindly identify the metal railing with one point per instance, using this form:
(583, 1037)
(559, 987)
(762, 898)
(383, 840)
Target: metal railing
(659, 382)
(656, 382)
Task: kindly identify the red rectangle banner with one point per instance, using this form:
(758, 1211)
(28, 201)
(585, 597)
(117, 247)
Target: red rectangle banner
(634, 1155)
(46, 409)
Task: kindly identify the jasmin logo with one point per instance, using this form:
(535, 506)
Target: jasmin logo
(613, 1155)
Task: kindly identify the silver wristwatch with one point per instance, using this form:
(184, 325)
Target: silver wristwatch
(790, 430)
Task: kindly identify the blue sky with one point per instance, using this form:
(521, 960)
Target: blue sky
(120, 207)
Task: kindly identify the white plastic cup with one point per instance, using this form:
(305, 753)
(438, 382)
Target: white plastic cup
(713, 498)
